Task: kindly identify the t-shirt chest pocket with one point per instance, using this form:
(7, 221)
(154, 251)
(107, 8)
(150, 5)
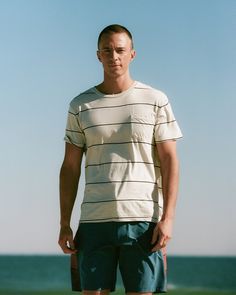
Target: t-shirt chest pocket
(142, 126)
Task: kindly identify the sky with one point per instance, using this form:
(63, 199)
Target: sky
(186, 48)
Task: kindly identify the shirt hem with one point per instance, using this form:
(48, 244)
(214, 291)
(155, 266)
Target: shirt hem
(120, 219)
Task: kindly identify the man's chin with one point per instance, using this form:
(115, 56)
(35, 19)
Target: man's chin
(115, 73)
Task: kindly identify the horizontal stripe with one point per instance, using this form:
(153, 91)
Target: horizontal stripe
(69, 130)
(121, 123)
(163, 105)
(118, 106)
(122, 181)
(111, 124)
(140, 218)
(126, 200)
(125, 142)
(73, 113)
(113, 106)
(168, 122)
(126, 162)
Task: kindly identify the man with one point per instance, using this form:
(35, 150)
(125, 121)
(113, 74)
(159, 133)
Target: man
(128, 133)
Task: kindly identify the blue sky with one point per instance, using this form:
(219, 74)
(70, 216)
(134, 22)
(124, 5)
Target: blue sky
(186, 48)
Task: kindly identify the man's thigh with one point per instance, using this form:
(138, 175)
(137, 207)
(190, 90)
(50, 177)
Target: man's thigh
(142, 271)
(97, 257)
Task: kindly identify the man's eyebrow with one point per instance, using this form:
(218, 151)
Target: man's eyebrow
(109, 47)
(105, 47)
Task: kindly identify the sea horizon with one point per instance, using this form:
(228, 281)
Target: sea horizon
(49, 272)
(169, 255)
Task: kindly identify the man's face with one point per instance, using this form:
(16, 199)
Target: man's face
(115, 53)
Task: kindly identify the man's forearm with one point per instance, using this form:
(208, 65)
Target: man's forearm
(170, 179)
(69, 180)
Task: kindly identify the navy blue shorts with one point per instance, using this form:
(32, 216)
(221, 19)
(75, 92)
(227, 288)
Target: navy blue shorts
(102, 247)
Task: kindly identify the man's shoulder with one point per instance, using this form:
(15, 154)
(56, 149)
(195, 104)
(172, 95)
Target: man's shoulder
(158, 95)
(83, 97)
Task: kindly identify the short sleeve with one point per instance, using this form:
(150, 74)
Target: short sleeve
(74, 133)
(166, 126)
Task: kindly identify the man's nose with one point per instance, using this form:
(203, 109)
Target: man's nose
(114, 54)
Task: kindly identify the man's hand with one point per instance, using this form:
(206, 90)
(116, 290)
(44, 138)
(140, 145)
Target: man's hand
(66, 240)
(162, 233)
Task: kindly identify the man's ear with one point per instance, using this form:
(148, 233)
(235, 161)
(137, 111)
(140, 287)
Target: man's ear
(133, 54)
(98, 55)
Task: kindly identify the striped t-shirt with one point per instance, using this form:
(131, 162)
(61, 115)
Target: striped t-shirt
(119, 133)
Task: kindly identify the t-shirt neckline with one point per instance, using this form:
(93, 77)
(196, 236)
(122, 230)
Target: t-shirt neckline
(115, 94)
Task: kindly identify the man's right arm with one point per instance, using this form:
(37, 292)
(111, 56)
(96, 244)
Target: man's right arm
(69, 179)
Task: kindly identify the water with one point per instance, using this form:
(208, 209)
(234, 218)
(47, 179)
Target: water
(53, 273)
(217, 273)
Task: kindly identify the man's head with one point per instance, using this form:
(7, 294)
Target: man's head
(115, 50)
(113, 29)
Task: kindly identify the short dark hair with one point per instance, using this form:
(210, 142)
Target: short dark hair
(115, 28)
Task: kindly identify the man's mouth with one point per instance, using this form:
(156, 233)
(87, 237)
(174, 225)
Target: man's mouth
(114, 65)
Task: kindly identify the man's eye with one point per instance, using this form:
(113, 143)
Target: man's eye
(109, 51)
(120, 50)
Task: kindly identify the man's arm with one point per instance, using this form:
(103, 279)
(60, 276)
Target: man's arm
(170, 177)
(69, 179)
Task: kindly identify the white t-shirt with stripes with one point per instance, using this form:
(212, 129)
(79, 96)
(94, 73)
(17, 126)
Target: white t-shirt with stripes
(119, 134)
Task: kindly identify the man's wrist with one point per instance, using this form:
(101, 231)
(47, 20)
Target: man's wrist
(167, 218)
(65, 224)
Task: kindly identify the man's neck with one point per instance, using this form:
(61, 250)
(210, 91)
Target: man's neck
(115, 86)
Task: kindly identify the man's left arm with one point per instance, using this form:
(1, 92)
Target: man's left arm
(170, 178)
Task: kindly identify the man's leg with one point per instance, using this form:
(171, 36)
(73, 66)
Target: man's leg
(142, 271)
(106, 292)
(97, 258)
(102, 292)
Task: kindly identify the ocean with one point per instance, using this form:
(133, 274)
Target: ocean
(45, 273)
